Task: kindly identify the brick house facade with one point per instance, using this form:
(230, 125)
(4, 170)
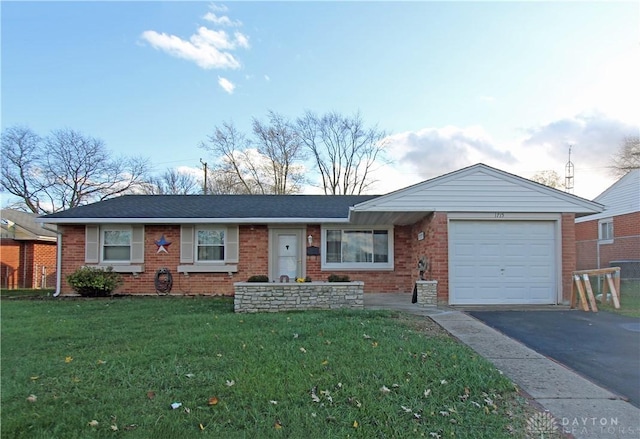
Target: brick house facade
(374, 239)
(27, 252)
(612, 237)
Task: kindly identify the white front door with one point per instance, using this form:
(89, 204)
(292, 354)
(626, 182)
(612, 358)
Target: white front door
(287, 258)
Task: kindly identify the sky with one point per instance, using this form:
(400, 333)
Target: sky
(508, 84)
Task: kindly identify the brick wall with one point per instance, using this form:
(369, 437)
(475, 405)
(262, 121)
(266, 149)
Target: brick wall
(44, 265)
(400, 279)
(435, 247)
(568, 253)
(10, 274)
(253, 259)
(625, 245)
(23, 262)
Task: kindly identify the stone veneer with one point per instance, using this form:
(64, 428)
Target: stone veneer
(274, 297)
(427, 292)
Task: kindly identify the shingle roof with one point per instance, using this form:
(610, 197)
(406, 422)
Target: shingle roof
(27, 222)
(158, 207)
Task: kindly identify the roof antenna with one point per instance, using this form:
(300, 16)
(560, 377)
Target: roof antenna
(568, 174)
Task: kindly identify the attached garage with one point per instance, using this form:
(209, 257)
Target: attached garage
(502, 262)
(489, 237)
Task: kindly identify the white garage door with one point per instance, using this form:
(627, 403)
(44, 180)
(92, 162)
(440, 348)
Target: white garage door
(502, 262)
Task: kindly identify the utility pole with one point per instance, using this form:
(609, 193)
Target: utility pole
(204, 189)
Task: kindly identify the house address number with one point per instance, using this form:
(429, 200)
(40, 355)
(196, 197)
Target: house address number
(499, 214)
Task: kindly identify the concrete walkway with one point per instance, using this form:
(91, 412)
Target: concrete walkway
(579, 406)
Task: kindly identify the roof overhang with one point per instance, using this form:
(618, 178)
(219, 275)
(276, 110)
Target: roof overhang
(378, 217)
(121, 220)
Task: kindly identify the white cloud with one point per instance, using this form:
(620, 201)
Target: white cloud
(595, 138)
(226, 85)
(208, 48)
(431, 152)
(267, 78)
(436, 151)
(218, 8)
(200, 49)
(241, 40)
(222, 20)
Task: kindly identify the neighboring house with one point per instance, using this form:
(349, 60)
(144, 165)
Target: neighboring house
(489, 237)
(612, 237)
(27, 251)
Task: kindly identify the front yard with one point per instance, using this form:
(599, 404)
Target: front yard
(113, 368)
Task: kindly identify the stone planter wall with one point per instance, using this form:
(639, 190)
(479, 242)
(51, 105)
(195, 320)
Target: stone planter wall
(274, 297)
(427, 292)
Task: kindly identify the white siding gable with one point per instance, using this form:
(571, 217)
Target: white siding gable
(479, 188)
(620, 198)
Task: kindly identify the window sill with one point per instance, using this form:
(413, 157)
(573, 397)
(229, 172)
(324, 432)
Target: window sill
(354, 267)
(186, 269)
(133, 269)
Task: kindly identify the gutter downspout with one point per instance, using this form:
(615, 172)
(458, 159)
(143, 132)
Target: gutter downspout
(58, 260)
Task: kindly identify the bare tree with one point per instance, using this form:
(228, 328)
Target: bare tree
(65, 170)
(235, 167)
(345, 151)
(548, 178)
(22, 166)
(627, 158)
(266, 165)
(172, 182)
(279, 144)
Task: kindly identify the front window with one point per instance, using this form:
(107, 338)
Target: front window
(606, 230)
(358, 248)
(210, 245)
(116, 245)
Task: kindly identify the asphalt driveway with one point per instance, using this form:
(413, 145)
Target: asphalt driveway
(603, 347)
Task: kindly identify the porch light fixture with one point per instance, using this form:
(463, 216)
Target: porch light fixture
(310, 239)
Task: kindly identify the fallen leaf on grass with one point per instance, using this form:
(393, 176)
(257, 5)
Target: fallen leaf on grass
(151, 394)
(189, 375)
(374, 344)
(32, 398)
(406, 409)
(273, 402)
(303, 350)
(355, 424)
(325, 362)
(114, 427)
(427, 392)
(201, 426)
(213, 400)
(277, 425)
(130, 427)
(230, 383)
(101, 362)
(33, 378)
(385, 389)
(68, 359)
(93, 423)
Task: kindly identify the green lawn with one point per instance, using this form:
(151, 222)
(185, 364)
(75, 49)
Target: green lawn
(113, 367)
(629, 298)
(26, 292)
